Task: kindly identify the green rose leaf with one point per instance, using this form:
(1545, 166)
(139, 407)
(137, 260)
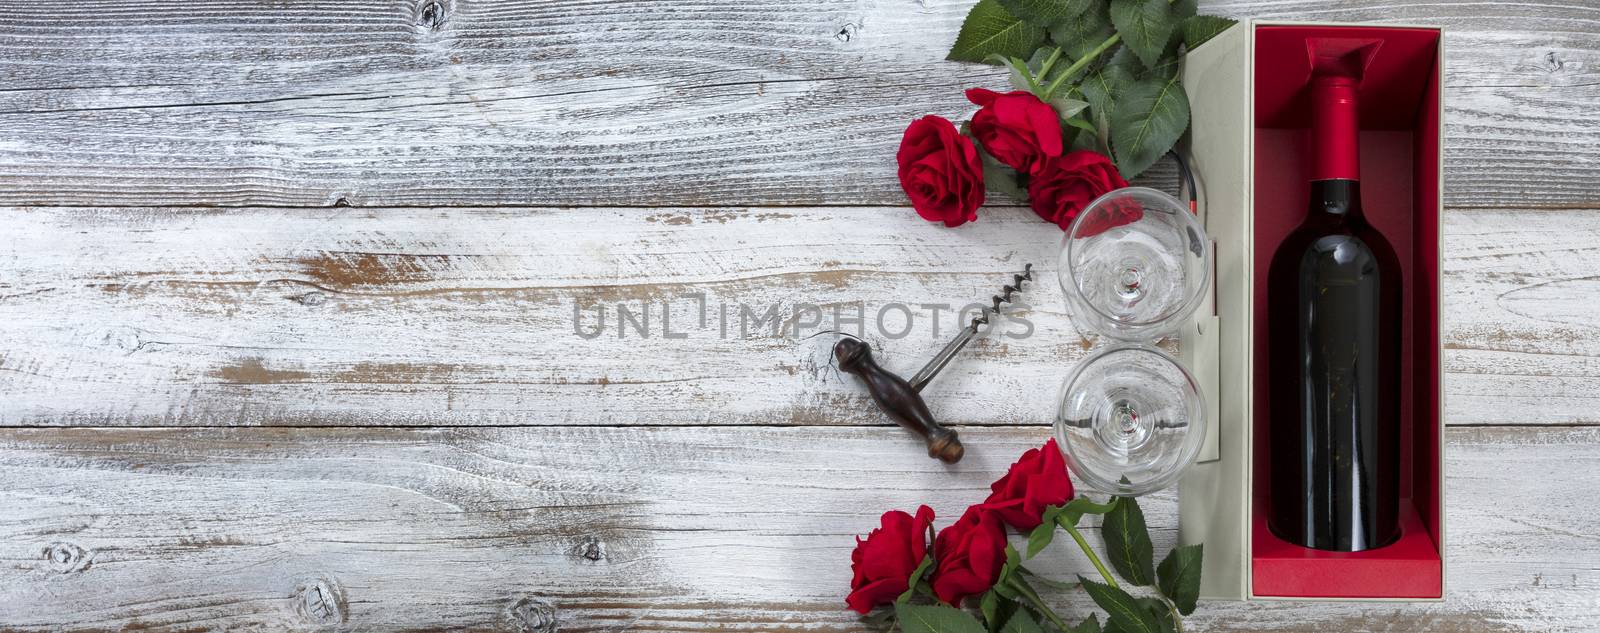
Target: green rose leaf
(1159, 611)
(1128, 542)
(1083, 33)
(1021, 77)
(916, 577)
(1149, 118)
(1197, 29)
(1178, 577)
(936, 619)
(1165, 69)
(1126, 614)
(1083, 124)
(1125, 58)
(1068, 108)
(1104, 88)
(1045, 13)
(1053, 584)
(1145, 26)
(1181, 10)
(1021, 622)
(1089, 625)
(1040, 537)
(998, 176)
(1167, 66)
(878, 618)
(989, 606)
(989, 30)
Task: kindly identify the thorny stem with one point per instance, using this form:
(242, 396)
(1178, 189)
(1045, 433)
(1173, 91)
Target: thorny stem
(1038, 604)
(1177, 618)
(1099, 508)
(1080, 63)
(1044, 69)
(1087, 551)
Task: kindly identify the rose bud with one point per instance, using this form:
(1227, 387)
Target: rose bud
(883, 563)
(1016, 128)
(969, 556)
(1061, 187)
(1038, 480)
(940, 171)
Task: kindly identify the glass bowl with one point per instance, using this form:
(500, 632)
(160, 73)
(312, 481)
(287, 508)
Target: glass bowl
(1130, 420)
(1134, 265)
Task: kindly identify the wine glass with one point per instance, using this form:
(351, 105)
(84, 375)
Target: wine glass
(1135, 264)
(1130, 420)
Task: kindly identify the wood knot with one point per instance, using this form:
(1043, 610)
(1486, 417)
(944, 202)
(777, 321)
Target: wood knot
(321, 601)
(67, 558)
(847, 32)
(431, 15)
(341, 201)
(122, 338)
(591, 549)
(1553, 64)
(531, 615)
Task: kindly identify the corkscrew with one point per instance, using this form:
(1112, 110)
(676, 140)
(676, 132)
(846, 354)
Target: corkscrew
(902, 399)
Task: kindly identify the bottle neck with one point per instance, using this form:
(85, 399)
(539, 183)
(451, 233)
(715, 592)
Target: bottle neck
(1335, 202)
(1335, 129)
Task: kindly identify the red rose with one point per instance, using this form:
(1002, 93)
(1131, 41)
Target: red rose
(1038, 480)
(1016, 128)
(970, 554)
(884, 562)
(1061, 187)
(940, 171)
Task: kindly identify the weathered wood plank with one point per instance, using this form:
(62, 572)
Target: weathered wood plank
(1522, 329)
(651, 529)
(719, 103)
(116, 317)
(416, 316)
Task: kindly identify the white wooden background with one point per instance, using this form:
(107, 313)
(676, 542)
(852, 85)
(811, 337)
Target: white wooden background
(286, 298)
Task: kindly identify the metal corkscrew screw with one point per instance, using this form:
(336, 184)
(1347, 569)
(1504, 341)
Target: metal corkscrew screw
(902, 399)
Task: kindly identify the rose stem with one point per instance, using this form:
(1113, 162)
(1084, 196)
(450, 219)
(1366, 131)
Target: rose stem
(1044, 69)
(1177, 618)
(1110, 42)
(1099, 508)
(1087, 551)
(1033, 598)
(1080, 63)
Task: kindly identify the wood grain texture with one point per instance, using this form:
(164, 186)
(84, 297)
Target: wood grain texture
(650, 529)
(420, 316)
(718, 103)
(115, 317)
(1522, 328)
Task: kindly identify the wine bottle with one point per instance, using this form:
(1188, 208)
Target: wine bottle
(1334, 310)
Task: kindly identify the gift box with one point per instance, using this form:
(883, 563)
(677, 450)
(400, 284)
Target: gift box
(1249, 97)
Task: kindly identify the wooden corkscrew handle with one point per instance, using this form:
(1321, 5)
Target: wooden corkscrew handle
(897, 398)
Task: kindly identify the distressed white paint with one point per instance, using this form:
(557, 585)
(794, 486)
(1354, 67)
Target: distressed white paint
(466, 316)
(647, 529)
(591, 518)
(717, 103)
(423, 316)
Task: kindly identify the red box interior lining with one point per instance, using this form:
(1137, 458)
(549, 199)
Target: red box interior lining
(1400, 198)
